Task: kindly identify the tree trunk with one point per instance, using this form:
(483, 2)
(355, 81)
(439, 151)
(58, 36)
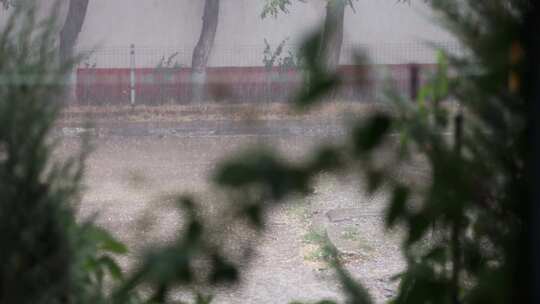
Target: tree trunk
(68, 37)
(332, 35)
(202, 50)
(71, 29)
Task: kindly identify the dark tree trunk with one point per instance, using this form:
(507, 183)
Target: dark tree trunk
(332, 36)
(68, 38)
(202, 50)
(71, 29)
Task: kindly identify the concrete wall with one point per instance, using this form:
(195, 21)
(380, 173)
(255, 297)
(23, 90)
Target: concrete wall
(391, 32)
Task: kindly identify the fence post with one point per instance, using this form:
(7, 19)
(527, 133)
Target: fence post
(132, 75)
(414, 81)
(71, 87)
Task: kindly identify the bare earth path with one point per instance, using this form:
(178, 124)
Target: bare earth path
(128, 176)
(280, 273)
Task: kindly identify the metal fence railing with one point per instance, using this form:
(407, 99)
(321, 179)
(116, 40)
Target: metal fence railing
(145, 75)
(252, 55)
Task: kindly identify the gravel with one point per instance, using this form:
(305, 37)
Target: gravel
(127, 178)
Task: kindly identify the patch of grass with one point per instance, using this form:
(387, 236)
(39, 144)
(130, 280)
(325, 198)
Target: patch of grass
(313, 237)
(211, 111)
(365, 248)
(316, 248)
(318, 254)
(350, 234)
(300, 211)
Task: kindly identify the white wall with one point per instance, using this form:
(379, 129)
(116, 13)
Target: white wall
(392, 32)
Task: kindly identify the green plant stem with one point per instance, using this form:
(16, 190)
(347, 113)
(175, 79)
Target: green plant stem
(456, 260)
(456, 227)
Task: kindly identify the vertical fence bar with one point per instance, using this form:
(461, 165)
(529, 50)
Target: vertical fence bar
(414, 81)
(132, 75)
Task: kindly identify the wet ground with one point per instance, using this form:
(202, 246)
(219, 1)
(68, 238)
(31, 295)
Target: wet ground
(127, 178)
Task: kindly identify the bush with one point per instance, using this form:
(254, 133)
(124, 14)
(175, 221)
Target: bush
(476, 201)
(47, 257)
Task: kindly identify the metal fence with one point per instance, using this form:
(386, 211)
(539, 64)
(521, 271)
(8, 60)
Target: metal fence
(150, 75)
(252, 55)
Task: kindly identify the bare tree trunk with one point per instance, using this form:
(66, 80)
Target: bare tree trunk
(332, 36)
(71, 29)
(68, 37)
(202, 50)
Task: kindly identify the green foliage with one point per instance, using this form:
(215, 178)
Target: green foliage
(201, 299)
(273, 7)
(96, 247)
(318, 302)
(313, 237)
(192, 261)
(475, 200)
(477, 191)
(350, 233)
(318, 80)
(47, 257)
(274, 58)
(168, 62)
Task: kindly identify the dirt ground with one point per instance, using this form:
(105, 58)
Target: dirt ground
(127, 179)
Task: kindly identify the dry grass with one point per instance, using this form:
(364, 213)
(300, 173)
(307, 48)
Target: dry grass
(211, 112)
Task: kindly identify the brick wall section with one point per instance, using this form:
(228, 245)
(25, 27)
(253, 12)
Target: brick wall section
(111, 86)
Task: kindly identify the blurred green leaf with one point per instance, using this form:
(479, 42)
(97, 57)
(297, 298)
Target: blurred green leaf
(105, 241)
(420, 284)
(442, 76)
(202, 299)
(319, 302)
(419, 224)
(255, 214)
(397, 205)
(371, 134)
(319, 85)
(375, 179)
(354, 291)
(223, 271)
(112, 267)
(438, 254)
(326, 159)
